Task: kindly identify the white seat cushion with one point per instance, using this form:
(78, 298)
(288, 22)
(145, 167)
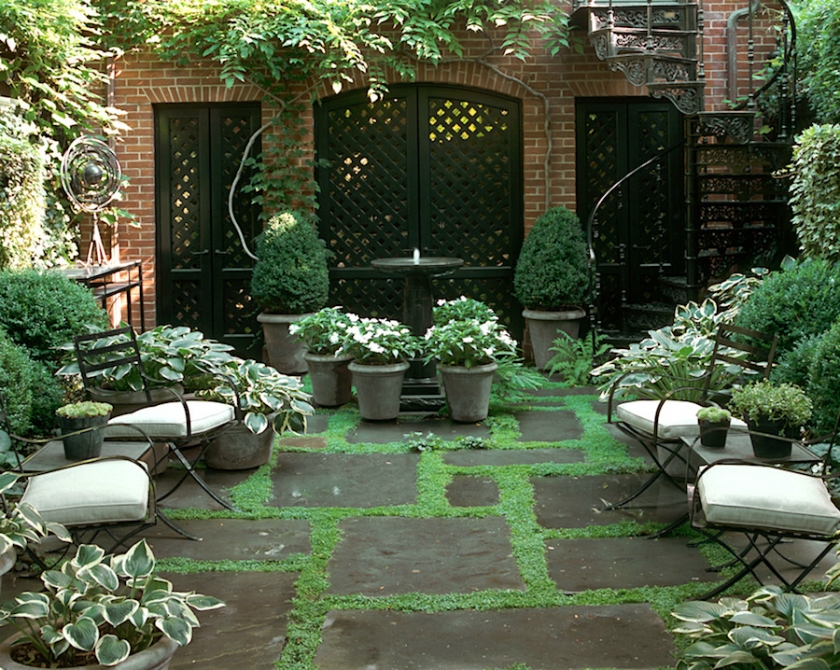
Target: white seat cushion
(677, 419)
(169, 421)
(105, 491)
(767, 497)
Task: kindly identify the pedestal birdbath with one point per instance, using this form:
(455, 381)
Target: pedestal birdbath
(417, 273)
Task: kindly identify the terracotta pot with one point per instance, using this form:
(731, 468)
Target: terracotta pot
(84, 445)
(468, 391)
(156, 657)
(332, 381)
(239, 449)
(378, 389)
(285, 352)
(544, 328)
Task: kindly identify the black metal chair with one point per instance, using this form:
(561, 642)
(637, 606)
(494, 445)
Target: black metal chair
(177, 423)
(660, 425)
(768, 504)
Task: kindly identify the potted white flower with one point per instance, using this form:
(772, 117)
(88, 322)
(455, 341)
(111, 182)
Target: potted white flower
(468, 342)
(379, 348)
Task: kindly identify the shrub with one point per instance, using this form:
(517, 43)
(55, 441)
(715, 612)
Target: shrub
(794, 366)
(30, 393)
(551, 273)
(291, 275)
(815, 192)
(43, 310)
(795, 303)
(21, 194)
(824, 375)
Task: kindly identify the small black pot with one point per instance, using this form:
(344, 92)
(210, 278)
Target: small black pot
(85, 445)
(769, 446)
(713, 434)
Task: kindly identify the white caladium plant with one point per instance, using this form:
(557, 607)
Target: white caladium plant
(111, 606)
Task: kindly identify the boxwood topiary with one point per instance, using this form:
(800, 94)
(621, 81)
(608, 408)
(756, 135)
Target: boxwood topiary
(795, 303)
(823, 379)
(43, 310)
(291, 275)
(551, 273)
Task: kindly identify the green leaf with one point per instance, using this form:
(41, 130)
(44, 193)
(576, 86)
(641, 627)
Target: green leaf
(176, 629)
(111, 650)
(200, 602)
(87, 555)
(139, 561)
(117, 612)
(83, 634)
(103, 575)
(700, 611)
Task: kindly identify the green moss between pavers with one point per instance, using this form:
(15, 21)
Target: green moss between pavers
(604, 455)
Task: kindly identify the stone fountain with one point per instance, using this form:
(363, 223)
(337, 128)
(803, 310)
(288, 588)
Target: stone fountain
(417, 272)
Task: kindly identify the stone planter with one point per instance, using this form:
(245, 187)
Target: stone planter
(332, 381)
(7, 561)
(239, 449)
(378, 389)
(156, 657)
(545, 327)
(768, 446)
(468, 391)
(285, 352)
(84, 445)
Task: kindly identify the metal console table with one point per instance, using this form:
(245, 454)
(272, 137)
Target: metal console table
(105, 281)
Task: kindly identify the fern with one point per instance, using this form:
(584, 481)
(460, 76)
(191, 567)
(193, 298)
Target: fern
(574, 358)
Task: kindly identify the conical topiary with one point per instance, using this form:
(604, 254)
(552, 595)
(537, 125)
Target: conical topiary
(291, 275)
(551, 273)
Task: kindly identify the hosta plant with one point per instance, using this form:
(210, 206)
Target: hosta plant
(21, 523)
(379, 342)
(768, 630)
(100, 608)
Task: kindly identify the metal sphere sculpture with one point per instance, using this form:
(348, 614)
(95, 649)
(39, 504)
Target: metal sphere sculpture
(91, 177)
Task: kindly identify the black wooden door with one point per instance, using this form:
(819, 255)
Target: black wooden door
(433, 167)
(640, 234)
(203, 273)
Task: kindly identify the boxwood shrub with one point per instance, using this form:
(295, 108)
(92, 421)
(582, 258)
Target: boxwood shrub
(291, 275)
(824, 378)
(43, 310)
(795, 303)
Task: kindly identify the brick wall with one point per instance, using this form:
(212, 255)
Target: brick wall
(547, 86)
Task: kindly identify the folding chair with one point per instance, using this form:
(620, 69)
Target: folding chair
(660, 424)
(178, 423)
(114, 496)
(769, 505)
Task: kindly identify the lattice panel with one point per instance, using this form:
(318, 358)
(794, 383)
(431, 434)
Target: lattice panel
(238, 308)
(375, 298)
(650, 243)
(493, 291)
(368, 183)
(187, 304)
(603, 171)
(469, 173)
(235, 131)
(185, 193)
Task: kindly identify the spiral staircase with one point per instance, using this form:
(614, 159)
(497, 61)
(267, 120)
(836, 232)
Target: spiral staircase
(736, 206)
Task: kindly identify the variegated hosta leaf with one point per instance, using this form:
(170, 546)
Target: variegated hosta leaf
(102, 574)
(87, 555)
(748, 637)
(7, 479)
(50, 634)
(739, 656)
(139, 561)
(59, 647)
(5, 543)
(176, 629)
(30, 606)
(200, 602)
(31, 517)
(59, 531)
(256, 423)
(798, 663)
(700, 611)
(117, 612)
(753, 619)
(156, 596)
(157, 583)
(140, 617)
(83, 634)
(111, 650)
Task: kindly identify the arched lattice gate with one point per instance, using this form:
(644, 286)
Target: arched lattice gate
(438, 168)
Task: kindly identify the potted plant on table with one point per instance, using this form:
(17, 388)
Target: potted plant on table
(82, 425)
(323, 333)
(771, 410)
(101, 610)
(268, 403)
(290, 279)
(379, 348)
(714, 424)
(551, 280)
(468, 350)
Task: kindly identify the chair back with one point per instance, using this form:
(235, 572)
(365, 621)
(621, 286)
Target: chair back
(114, 350)
(758, 352)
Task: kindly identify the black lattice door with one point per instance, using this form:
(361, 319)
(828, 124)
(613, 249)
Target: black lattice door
(203, 273)
(433, 167)
(640, 227)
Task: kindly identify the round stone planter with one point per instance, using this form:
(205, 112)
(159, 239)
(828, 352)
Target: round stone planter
(84, 445)
(332, 381)
(7, 561)
(545, 327)
(378, 389)
(156, 657)
(285, 352)
(468, 391)
(239, 449)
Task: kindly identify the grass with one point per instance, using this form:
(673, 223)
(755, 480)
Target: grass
(516, 504)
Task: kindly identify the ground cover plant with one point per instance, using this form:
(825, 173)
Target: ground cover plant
(516, 504)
